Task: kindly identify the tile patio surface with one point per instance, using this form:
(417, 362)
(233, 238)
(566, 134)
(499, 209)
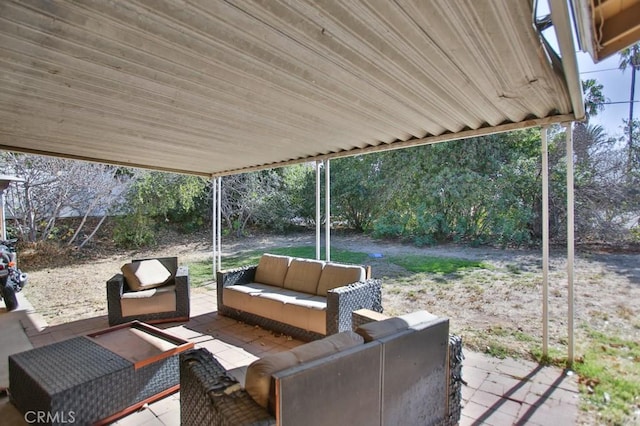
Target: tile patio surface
(498, 392)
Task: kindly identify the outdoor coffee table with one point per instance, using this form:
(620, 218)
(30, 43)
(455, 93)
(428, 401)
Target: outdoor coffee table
(96, 378)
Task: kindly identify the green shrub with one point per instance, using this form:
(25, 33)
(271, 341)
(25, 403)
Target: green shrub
(133, 231)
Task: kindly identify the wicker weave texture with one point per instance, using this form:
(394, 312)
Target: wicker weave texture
(209, 396)
(455, 385)
(81, 377)
(342, 301)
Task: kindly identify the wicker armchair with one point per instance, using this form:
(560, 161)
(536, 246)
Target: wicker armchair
(167, 303)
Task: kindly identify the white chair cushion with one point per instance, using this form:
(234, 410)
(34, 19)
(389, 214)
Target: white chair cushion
(145, 274)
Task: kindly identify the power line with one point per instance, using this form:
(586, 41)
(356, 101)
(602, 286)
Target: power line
(606, 69)
(617, 102)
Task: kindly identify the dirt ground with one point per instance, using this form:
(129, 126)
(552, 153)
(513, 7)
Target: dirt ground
(500, 305)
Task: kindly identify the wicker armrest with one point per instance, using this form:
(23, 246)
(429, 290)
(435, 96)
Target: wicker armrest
(183, 301)
(115, 288)
(209, 396)
(243, 275)
(116, 284)
(454, 397)
(342, 301)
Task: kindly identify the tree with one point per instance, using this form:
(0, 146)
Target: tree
(355, 190)
(267, 199)
(586, 138)
(600, 185)
(475, 190)
(156, 198)
(630, 57)
(54, 188)
(593, 97)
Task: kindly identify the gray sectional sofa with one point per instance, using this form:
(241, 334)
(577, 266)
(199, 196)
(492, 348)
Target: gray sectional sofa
(391, 372)
(303, 298)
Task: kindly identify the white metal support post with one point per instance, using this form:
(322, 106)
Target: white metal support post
(570, 241)
(214, 225)
(318, 225)
(327, 210)
(219, 219)
(545, 242)
(5, 181)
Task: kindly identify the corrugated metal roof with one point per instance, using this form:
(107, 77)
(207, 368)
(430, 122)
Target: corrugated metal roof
(217, 87)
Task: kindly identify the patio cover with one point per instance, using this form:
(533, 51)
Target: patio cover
(220, 87)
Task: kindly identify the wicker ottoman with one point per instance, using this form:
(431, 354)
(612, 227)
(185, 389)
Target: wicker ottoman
(81, 381)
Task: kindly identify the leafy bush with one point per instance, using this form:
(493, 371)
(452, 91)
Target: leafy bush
(134, 231)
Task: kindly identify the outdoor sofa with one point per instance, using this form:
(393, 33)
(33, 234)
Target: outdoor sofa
(402, 370)
(303, 298)
(149, 290)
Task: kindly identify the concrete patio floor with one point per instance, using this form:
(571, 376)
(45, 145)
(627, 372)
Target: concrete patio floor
(498, 391)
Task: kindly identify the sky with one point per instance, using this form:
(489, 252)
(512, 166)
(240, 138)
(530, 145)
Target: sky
(616, 88)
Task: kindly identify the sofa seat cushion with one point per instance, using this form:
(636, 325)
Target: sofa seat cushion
(303, 275)
(337, 275)
(291, 307)
(272, 269)
(145, 274)
(258, 382)
(380, 329)
(317, 303)
(155, 300)
(245, 298)
(308, 313)
(251, 288)
(300, 310)
(283, 295)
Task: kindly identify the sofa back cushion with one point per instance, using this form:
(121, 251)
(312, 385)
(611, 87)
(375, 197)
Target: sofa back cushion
(379, 329)
(272, 269)
(336, 275)
(145, 274)
(303, 275)
(258, 382)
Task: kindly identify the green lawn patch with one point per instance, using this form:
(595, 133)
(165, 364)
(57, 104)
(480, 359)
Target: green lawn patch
(610, 376)
(200, 272)
(435, 265)
(309, 252)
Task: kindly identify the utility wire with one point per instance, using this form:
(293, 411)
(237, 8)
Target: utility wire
(606, 69)
(617, 102)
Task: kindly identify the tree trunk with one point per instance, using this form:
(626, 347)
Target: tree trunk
(94, 231)
(84, 220)
(632, 99)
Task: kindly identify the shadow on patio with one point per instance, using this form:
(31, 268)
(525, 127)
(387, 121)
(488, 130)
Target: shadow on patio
(498, 392)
